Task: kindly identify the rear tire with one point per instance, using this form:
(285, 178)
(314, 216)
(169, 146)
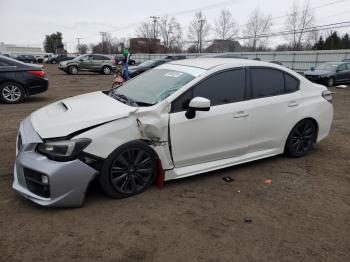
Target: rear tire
(129, 170)
(301, 139)
(12, 93)
(106, 70)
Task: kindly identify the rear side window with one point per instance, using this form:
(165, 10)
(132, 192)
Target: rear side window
(291, 83)
(266, 82)
(100, 57)
(222, 88)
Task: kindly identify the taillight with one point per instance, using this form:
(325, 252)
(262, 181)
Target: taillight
(38, 73)
(327, 95)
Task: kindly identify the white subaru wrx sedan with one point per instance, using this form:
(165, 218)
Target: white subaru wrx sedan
(180, 119)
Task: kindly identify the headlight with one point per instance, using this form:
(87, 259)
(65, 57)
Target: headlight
(65, 149)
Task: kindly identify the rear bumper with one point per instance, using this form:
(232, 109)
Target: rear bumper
(38, 86)
(66, 183)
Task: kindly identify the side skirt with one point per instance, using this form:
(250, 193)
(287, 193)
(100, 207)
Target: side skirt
(218, 164)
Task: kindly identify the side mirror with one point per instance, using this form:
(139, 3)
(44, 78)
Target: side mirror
(312, 68)
(197, 104)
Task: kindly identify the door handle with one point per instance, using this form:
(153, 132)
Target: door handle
(241, 114)
(293, 104)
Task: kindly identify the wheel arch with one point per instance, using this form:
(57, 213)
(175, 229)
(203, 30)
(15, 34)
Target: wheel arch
(305, 118)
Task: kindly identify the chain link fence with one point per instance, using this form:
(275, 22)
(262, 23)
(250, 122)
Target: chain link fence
(299, 61)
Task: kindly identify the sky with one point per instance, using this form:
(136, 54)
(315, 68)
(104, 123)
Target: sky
(26, 23)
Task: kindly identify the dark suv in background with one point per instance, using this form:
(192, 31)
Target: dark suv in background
(92, 62)
(26, 58)
(58, 58)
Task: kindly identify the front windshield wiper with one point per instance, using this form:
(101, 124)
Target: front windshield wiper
(122, 98)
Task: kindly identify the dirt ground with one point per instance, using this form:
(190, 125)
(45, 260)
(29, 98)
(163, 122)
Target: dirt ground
(303, 215)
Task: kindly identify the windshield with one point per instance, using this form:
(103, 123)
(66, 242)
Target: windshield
(147, 63)
(328, 66)
(83, 57)
(153, 86)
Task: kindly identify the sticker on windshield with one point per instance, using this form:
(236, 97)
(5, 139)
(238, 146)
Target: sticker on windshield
(173, 74)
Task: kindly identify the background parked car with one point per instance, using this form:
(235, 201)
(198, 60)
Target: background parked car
(119, 58)
(58, 58)
(222, 55)
(92, 62)
(175, 57)
(19, 80)
(26, 58)
(330, 73)
(147, 65)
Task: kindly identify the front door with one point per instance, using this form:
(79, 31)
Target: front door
(220, 133)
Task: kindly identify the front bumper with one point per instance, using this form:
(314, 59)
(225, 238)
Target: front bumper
(67, 181)
(317, 79)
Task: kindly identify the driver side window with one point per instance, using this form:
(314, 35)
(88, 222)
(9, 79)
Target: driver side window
(221, 88)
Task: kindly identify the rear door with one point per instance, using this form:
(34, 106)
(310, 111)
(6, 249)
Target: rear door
(277, 107)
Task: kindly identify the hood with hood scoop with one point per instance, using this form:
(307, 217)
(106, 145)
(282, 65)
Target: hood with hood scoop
(72, 114)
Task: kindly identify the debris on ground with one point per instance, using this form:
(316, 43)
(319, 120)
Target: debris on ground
(248, 220)
(228, 179)
(268, 181)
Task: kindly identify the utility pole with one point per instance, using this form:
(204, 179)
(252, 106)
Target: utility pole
(201, 21)
(103, 35)
(78, 38)
(154, 20)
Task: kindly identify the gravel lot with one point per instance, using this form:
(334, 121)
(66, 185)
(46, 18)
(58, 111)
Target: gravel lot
(303, 215)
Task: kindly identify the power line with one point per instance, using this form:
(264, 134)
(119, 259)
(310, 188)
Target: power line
(289, 32)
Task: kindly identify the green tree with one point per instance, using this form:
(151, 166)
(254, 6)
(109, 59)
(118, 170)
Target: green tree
(345, 41)
(319, 45)
(53, 42)
(333, 41)
(82, 48)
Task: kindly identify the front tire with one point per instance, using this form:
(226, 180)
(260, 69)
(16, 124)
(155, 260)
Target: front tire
(11, 93)
(330, 82)
(73, 70)
(129, 170)
(301, 139)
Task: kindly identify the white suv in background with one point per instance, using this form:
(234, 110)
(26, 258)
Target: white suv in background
(180, 119)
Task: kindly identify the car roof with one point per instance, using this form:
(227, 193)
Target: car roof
(208, 63)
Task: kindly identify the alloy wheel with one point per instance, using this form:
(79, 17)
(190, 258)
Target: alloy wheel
(131, 171)
(303, 137)
(11, 93)
(106, 70)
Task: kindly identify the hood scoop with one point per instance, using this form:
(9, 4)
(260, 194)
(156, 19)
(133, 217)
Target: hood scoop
(57, 109)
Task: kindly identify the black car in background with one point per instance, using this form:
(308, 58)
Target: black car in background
(330, 73)
(19, 80)
(147, 65)
(26, 58)
(58, 58)
(175, 57)
(119, 58)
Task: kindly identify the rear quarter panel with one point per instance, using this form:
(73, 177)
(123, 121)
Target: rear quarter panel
(317, 108)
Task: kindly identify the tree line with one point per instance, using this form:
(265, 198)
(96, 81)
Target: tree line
(255, 35)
